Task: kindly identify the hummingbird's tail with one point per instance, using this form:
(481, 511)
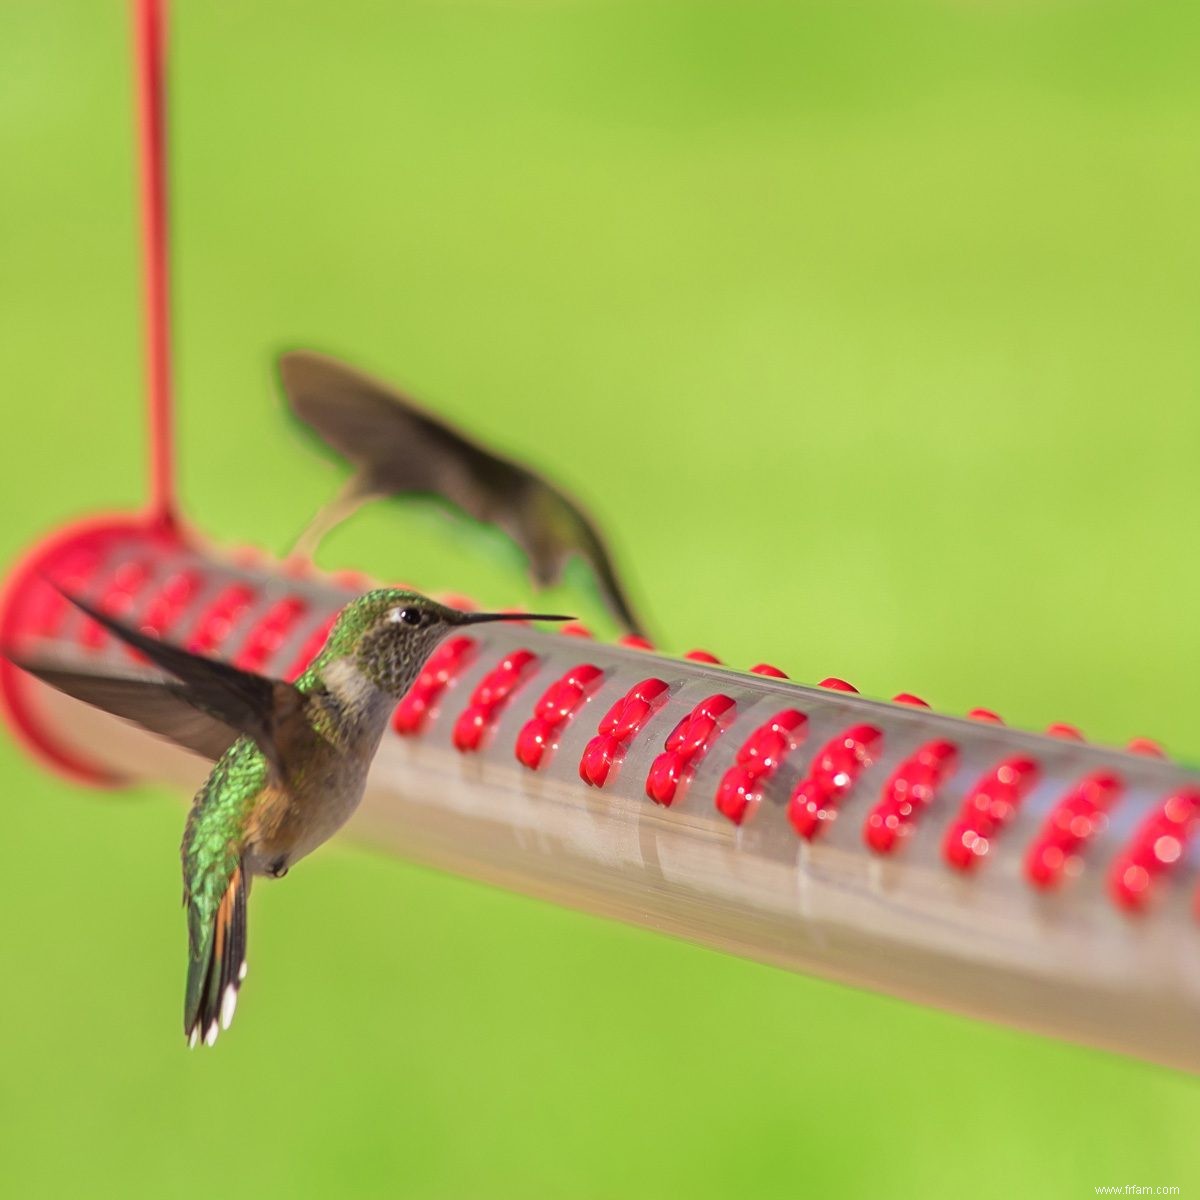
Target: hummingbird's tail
(216, 972)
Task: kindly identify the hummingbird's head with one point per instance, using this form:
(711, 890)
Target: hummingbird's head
(390, 633)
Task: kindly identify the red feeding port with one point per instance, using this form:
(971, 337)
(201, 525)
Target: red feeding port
(761, 755)
(985, 714)
(1146, 746)
(170, 602)
(554, 712)
(621, 724)
(489, 698)
(768, 670)
(635, 641)
(1155, 849)
(909, 791)
(834, 684)
(218, 619)
(1071, 824)
(835, 770)
(686, 746)
(269, 633)
(118, 598)
(1060, 729)
(989, 806)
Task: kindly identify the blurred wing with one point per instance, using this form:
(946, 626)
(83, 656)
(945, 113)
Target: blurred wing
(156, 705)
(396, 448)
(267, 710)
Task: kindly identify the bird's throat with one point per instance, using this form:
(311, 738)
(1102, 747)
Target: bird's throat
(354, 700)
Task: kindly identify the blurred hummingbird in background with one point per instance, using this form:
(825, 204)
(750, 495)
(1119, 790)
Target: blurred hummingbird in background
(397, 448)
(292, 759)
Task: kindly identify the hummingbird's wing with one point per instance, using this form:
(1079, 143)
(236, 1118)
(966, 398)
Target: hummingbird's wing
(268, 710)
(396, 447)
(157, 705)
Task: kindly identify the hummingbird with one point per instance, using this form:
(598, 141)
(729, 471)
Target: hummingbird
(398, 448)
(292, 759)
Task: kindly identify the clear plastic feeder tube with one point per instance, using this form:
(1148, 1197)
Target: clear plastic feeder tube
(1029, 879)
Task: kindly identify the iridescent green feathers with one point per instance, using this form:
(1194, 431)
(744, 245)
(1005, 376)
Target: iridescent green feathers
(284, 737)
(215, 889)
(204, 705)
(355, 621)
(272, 739)
(216, 881)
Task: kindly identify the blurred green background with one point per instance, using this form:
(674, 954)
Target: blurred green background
(869, 331)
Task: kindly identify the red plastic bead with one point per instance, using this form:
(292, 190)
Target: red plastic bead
(488, 699)
(554, 712)
(219, 618)
(985, 714)
(686, 746)
(768, 670)
(1071, 823)
(170, 601)
(1158, 844)
(740, 790)
(127, 581)
(702, 656)
(312, 647)
(832, 774)
(909, 698)
(988, 807)
(442, 667)
(838, 685)
(1145, 746)
(911, 789)
(268, 635)
(617, 729)
(635, 641)
(575, 629)
(1067, 732)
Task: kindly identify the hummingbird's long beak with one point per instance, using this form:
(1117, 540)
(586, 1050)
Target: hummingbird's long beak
(477, 618)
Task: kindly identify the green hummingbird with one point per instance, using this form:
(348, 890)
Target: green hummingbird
(292, 759)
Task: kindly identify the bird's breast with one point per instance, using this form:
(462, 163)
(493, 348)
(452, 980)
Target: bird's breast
(289, 823)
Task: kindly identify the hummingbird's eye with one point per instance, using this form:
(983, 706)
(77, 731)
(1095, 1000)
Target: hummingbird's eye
(410, 616)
